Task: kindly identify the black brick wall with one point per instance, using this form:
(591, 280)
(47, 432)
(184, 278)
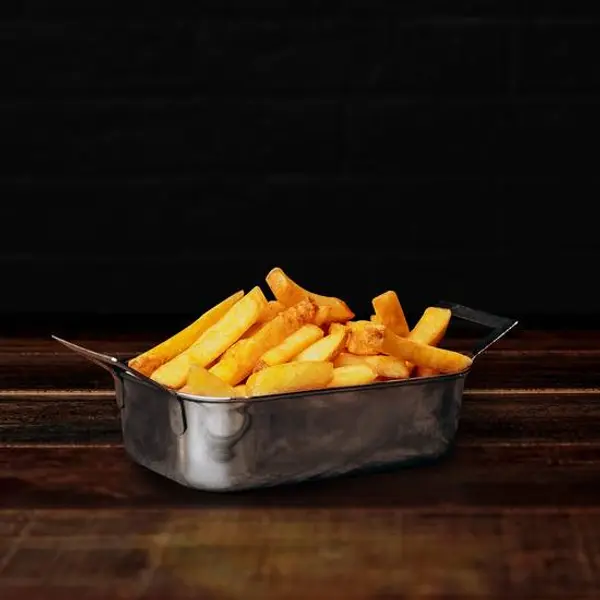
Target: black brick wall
(155, 161)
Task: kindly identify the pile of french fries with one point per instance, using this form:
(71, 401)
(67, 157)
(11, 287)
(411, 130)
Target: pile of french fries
(249, 346)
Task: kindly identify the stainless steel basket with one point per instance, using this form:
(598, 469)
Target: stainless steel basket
(227, 444)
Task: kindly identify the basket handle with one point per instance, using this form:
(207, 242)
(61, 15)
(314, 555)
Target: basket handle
(499, 326)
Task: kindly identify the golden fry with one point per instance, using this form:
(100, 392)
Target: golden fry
(223, 334)
(323, 315)
(387, 367)
(327, 348)
(248, 345)
(364, 338)
(251, 331)
(289, 293)
(147, 362)
(388, 312)
(240, 391)
(201, 382)
(425, 372)
(290, 347)
(380, 340)
(174, 373)
(443, 361)
(352, 375)
(290, 377)
(431, 327)
(273, 308)
(239, 360)
(345, 359)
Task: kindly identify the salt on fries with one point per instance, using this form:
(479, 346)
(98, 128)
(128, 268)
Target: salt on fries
(249, 346)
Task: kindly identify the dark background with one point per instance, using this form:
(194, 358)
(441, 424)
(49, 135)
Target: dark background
(155, 162)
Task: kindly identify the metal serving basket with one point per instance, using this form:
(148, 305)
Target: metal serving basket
(227, 444)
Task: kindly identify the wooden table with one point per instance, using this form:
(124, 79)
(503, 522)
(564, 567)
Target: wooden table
(513, 512)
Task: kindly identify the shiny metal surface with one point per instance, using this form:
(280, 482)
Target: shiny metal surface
(226, 444)
(291, 438)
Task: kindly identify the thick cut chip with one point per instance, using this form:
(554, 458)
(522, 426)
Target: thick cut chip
(239, 361)
(327, 348)
(273, 308)
(223, 334)
(240, 391)
(364, 337)
(425, 372)
(253, 330)
(289, 293)
(431, 327)
(290, 377)
(147, 362)
(345, 359)
(387, 367)
(388, 312)
(174, 373)
(322, 316)
(352, 375)
(200, 382)
(290, 347)
(371, 338)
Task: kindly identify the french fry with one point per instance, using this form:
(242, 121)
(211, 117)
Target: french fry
(201, 382)
(425, 372)
(322, 316)
(174, 373)
(431, 327)
(289, 293)
(327, 348)
(364, 337)
(248, 345)
(240, 391)
(346, 359)
(441, 360)
(239, 360)
(387, 367)
(290, 347)
(290, 377)
(348, 375)
(253, 330)
(388, 312)
(147, 362)
(229, 329)
(378, 339)
(273, 308)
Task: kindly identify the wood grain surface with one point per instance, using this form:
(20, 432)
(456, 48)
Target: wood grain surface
(512, 512)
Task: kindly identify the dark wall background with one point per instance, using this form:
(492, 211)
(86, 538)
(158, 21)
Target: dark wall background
(157, 161)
